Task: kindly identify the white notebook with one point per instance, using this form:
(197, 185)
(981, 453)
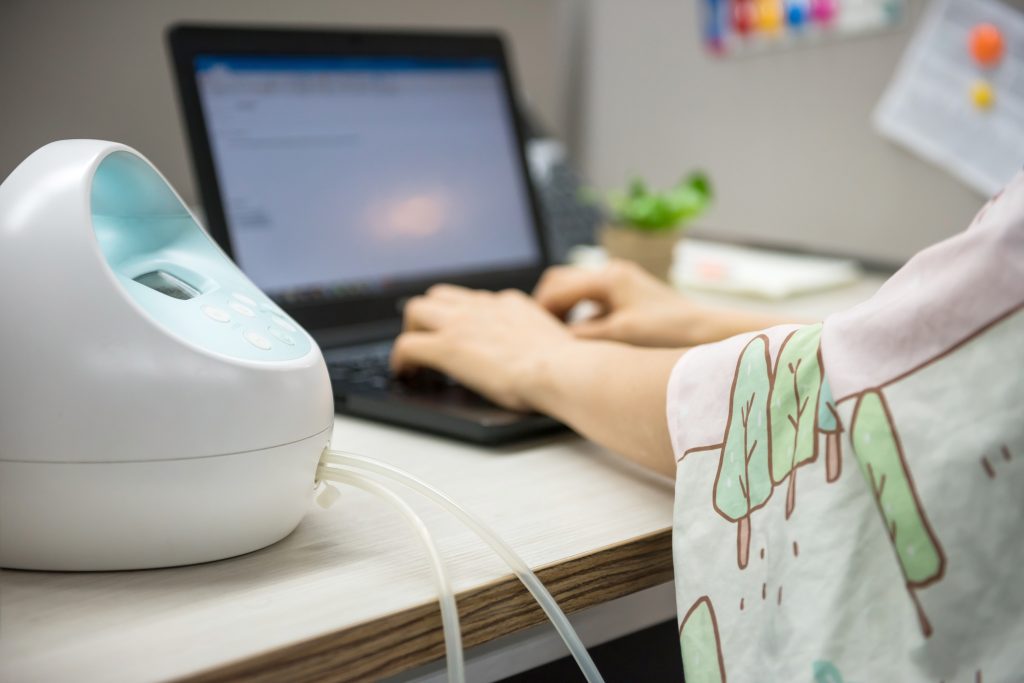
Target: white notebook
(765, 274)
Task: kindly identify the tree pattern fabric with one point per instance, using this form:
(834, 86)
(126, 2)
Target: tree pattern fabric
(743, 483)
(794, 406)
(848, 494)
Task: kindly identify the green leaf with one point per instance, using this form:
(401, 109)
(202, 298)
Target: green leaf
(699, 181)
(644, 209)
(637, 188)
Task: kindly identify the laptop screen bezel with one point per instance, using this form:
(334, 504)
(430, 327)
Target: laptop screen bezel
(187, 41)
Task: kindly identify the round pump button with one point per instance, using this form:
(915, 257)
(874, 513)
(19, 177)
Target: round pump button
(218, 314)
(239, 307)
(257, 340)
(282, 336)
(278, 320)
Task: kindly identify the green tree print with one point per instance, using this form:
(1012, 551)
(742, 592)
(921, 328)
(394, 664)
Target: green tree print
(793, 406)
(826, 672)
(830, 425)
(880, 455)
(743, 483)
(698, 639)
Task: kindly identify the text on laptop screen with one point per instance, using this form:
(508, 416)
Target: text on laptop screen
(342, 175)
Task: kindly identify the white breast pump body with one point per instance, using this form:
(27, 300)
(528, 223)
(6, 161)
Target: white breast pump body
(156, 408)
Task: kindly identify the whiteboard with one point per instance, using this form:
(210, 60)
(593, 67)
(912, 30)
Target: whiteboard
(928, 106)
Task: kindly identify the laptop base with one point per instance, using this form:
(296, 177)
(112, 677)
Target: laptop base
(451, 415)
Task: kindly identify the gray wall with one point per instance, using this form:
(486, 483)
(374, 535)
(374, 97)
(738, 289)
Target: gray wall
(98, 68)
(786, 136)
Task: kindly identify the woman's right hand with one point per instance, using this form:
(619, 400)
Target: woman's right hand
(634, 306)
(637, 308)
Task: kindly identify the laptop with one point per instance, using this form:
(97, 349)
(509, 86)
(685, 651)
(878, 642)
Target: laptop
(346, 171)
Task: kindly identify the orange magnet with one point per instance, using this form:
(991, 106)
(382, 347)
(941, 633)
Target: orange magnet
(986, 44)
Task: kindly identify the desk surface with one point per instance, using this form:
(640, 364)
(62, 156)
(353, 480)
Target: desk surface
(348, 595)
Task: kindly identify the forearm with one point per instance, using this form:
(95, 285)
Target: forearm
(613, 394)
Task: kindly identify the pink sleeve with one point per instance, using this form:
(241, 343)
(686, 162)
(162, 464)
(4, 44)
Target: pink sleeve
(942, 295)
(699, 389)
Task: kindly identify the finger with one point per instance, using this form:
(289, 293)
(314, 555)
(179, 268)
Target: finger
(414, 350)
(513, 294)
(423, 313)
(595, 328)
(451, 292)
(561, 290)
(550, 278)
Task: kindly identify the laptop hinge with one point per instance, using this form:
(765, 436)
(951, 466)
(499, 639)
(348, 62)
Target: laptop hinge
(348, 335)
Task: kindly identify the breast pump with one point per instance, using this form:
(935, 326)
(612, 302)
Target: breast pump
(194, 415)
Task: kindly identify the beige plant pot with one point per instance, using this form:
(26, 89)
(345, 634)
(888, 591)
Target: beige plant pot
(650, 249)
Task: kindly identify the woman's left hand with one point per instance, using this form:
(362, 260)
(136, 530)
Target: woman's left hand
(497, 344)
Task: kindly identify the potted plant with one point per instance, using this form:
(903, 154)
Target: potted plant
(644, 225)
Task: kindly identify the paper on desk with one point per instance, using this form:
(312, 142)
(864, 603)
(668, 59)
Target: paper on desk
(757, 272)
(928, 106)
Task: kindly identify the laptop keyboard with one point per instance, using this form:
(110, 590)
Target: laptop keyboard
(367, 367)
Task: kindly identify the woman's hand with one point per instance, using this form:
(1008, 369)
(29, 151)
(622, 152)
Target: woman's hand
(636, 308)
(496, 344)
(508, 348)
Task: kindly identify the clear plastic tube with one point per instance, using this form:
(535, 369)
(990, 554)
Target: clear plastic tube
(518, 566)
(446, 597)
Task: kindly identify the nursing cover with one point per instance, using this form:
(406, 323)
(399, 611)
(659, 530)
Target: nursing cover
(850, 495)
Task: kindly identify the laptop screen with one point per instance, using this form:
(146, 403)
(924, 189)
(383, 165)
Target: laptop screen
(342, 176)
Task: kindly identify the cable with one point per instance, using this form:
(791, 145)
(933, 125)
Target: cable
(446, 597)
(518, 566)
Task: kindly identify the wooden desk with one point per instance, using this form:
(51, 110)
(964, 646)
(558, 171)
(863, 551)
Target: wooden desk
(348, 596)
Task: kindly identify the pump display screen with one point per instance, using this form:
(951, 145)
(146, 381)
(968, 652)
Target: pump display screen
(165, 283)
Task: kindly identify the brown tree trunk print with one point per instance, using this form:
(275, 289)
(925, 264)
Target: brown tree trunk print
(922, 618)
(833, 457)
(832, 427)
(743, 541)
